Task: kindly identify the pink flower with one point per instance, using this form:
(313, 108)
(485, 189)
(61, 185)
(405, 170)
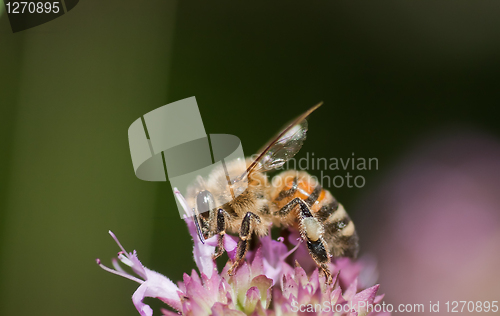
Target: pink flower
(264, 284)
(152, 284)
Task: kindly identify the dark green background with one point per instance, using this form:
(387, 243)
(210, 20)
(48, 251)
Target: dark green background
(389, 72)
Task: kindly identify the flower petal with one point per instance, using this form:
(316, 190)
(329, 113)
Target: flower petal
(264, 285)
(257, 265)
(137, 297)
(202, 252)
(367, 296)
(251, 299)
(378, 299)
(168, 313)
(212, 285)
(289, 287)
(221, 310)
(300, 276)
(161, 287)
(243, 276)
(351, 290)
(314, 280)
(272, 250)
(336, 297)
(230, 244)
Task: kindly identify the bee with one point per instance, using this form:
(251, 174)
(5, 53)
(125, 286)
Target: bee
(292, 200)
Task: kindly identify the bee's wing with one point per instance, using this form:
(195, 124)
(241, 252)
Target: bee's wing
(284, 149)
(284, 146)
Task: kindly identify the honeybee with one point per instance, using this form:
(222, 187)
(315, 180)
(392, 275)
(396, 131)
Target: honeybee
(293, 200)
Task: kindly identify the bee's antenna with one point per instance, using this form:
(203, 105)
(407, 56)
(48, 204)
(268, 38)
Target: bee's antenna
(191, 213)
(198, 229)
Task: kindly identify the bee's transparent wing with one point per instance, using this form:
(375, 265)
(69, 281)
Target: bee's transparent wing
(284, 146)
(284, 149)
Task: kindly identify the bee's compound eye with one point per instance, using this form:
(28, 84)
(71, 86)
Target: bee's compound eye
(204, 201)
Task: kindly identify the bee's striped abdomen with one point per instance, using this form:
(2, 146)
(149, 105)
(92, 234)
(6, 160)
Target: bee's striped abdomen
(294, 184)
(339, 231)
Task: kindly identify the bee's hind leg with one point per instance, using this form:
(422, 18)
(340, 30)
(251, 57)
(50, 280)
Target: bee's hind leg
(327, 273)
(246, 230)
(311, 230)
(222, 217)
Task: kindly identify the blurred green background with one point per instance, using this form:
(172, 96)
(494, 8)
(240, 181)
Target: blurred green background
(389, 73)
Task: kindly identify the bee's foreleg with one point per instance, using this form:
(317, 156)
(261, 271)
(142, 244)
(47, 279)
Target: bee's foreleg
(246, 230)
(311, 230)
(222, 216)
